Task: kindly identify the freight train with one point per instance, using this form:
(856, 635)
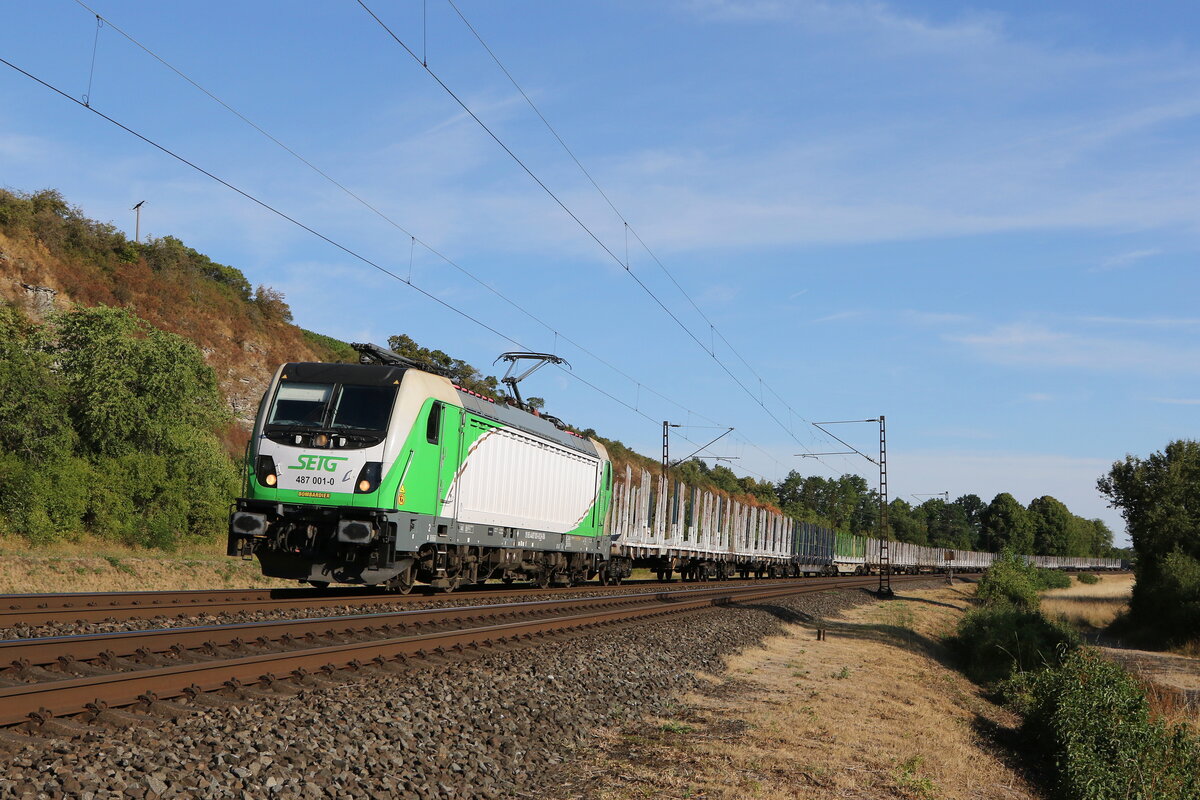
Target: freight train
(384, 473)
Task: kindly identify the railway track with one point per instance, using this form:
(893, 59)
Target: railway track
(95, 673)
(38, 609)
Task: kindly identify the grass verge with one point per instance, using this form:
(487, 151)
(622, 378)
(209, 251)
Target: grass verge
(94, 565)
(875, 710)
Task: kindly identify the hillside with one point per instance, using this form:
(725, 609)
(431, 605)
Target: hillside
(52, 257)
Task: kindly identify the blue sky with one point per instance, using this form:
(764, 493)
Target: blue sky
(978, 220)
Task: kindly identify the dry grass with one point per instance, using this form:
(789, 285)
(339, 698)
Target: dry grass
(1089, 607)
(98, 566)
(871, 712)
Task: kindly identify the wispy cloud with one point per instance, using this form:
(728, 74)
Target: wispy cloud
(881, 18)
(961, 433)
(1156, 322)
(717, 294)
(1177, 401)
(1032, 345)
(936, 318)
(1127, 259)
(840, 315)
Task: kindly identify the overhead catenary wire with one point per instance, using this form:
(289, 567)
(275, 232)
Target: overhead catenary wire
(575, 217)
(288, 218)
(625, 222)
(415, 240)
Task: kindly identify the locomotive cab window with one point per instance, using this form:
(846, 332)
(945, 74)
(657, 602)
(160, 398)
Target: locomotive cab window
(363, 407)
(352, 410)
(434, 426)
(300, 404)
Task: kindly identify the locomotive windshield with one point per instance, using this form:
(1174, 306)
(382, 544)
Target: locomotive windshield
(332, 406)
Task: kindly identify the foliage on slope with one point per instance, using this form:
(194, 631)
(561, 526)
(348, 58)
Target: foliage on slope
(49, 249)
(110, 426)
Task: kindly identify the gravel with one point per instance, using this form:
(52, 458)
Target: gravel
(504, 725)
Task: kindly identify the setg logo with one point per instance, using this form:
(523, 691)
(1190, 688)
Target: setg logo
(318, 463)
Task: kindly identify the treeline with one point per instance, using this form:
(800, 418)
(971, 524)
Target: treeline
(1044, 527)
(109, 426)
(1159, 497)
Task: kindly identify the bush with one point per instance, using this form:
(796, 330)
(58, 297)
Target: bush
(113, 431)
(1052, 579)
(1087, 577)
(1010, 582)
(996, 641)
(1169, 602)
(1092, 722)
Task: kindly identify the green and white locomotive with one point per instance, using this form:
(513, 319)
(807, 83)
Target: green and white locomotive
(383, 473)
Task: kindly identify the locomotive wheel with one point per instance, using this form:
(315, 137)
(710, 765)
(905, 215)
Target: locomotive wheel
(320, 586)
(402, 582)
(542, 581)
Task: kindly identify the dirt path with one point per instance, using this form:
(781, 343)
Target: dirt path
(873, 711)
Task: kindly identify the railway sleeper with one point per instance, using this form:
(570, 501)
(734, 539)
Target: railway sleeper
(167, 709)
(116, 718)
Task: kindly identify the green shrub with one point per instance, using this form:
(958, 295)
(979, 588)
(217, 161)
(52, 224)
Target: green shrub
(1091, 721)
(1010, 582)
(112, 431)
(1052, 579)
(996, 641)
(1087, 577)
(1169, 600)
(337, 348)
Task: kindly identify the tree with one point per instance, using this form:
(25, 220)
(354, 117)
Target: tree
(905, 524)
(972, 507)
(1157, 497)
(133, 387)
(1006, 525)
(946, 524)
(458, 370)
(1051, 523)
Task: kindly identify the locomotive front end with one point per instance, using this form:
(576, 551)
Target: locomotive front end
(313, 507)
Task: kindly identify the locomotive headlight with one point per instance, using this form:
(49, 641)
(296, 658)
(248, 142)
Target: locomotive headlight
(264, 470)
(321, 440)
(369, 477)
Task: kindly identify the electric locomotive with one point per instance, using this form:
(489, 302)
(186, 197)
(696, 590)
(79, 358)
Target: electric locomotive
(383, 473)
